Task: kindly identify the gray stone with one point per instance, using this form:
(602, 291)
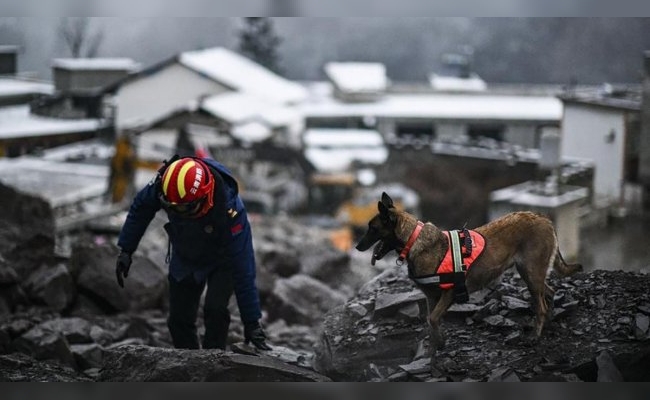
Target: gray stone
(464, 308)
(417, 366)
(499, 321)
(8, 275)
(144, 288)
(149, 364)
(75, 330)
(515, 304)
(387, 304)
(504, 374)
(302, 299)
(87, 355)
(45, 345)
(641, 323)
(52, 286)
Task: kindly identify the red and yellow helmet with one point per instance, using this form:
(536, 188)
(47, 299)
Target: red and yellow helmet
(187, 187)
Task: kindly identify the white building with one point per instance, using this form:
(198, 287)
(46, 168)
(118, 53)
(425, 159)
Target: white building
(428, 116)
(173, 84)
(605, 129)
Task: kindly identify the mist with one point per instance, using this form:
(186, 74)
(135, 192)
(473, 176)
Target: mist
(508, 50)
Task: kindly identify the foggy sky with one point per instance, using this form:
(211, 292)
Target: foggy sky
(537, 50)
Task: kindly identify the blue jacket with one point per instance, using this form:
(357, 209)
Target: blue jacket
(200, 245)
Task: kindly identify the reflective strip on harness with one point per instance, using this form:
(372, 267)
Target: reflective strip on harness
(455, 251)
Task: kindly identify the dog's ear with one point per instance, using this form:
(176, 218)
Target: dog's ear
(386, 200)
(386, 216)
(383, 210)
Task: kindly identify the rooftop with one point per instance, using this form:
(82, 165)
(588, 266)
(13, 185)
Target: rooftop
(623, 97)
(58, 182)
(357, 77)
(235, 108)
(18, 122)
(444, 106)
(336, 150)
(78, 64)
(244, 75)
(18, 87)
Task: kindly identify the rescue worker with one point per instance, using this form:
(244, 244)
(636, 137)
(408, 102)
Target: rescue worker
(210, 242)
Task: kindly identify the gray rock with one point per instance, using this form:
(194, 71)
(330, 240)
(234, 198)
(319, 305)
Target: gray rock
(19, 367)
(641, 323)
(87, 355)
(358, 309)
(387, 304)
(504, 374)
(409, 311)
(52, 286)
(45, 345)
(499, 321)
(149, 364)
(515, 304)
(144, 288)
(75, 330)
(302, 299)
(348, 359)
(417, 366)
(464, 308)
(8, 275)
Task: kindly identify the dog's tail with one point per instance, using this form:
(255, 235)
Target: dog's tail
(562, 268)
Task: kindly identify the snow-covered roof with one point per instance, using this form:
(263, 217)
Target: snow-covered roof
(452, 83)
(242, 74)
(120, 64)
(354, 77)
(58, 183)
(237, 108)
(251, 132)
(18, 87)
(443, 106)
(17, 122)
(335, 150)
(357, 138)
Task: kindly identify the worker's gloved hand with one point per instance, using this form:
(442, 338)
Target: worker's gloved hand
(122, 267)
(254, 333)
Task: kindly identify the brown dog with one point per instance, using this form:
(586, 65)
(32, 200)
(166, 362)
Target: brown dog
(523, 239)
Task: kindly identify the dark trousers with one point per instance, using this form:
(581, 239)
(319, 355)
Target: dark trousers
(184, 298)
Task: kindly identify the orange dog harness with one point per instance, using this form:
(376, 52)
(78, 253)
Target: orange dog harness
(465, 246)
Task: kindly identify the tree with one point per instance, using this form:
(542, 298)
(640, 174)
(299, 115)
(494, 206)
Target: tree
(78, 37)
(258, 41)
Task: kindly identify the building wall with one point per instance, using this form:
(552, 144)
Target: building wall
(524, 135)
(587, 133)
(67, 80)
(150, 97)
(644, 148)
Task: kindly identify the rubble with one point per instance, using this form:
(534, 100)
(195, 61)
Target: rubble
(486, 340)
(329, 315)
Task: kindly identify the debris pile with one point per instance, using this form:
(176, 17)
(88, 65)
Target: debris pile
(328, 315)
(599, 331)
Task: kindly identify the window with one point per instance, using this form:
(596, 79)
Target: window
(478, 131)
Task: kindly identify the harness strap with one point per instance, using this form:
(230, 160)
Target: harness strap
(412, 239)
(437, 279)
(456, 256)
